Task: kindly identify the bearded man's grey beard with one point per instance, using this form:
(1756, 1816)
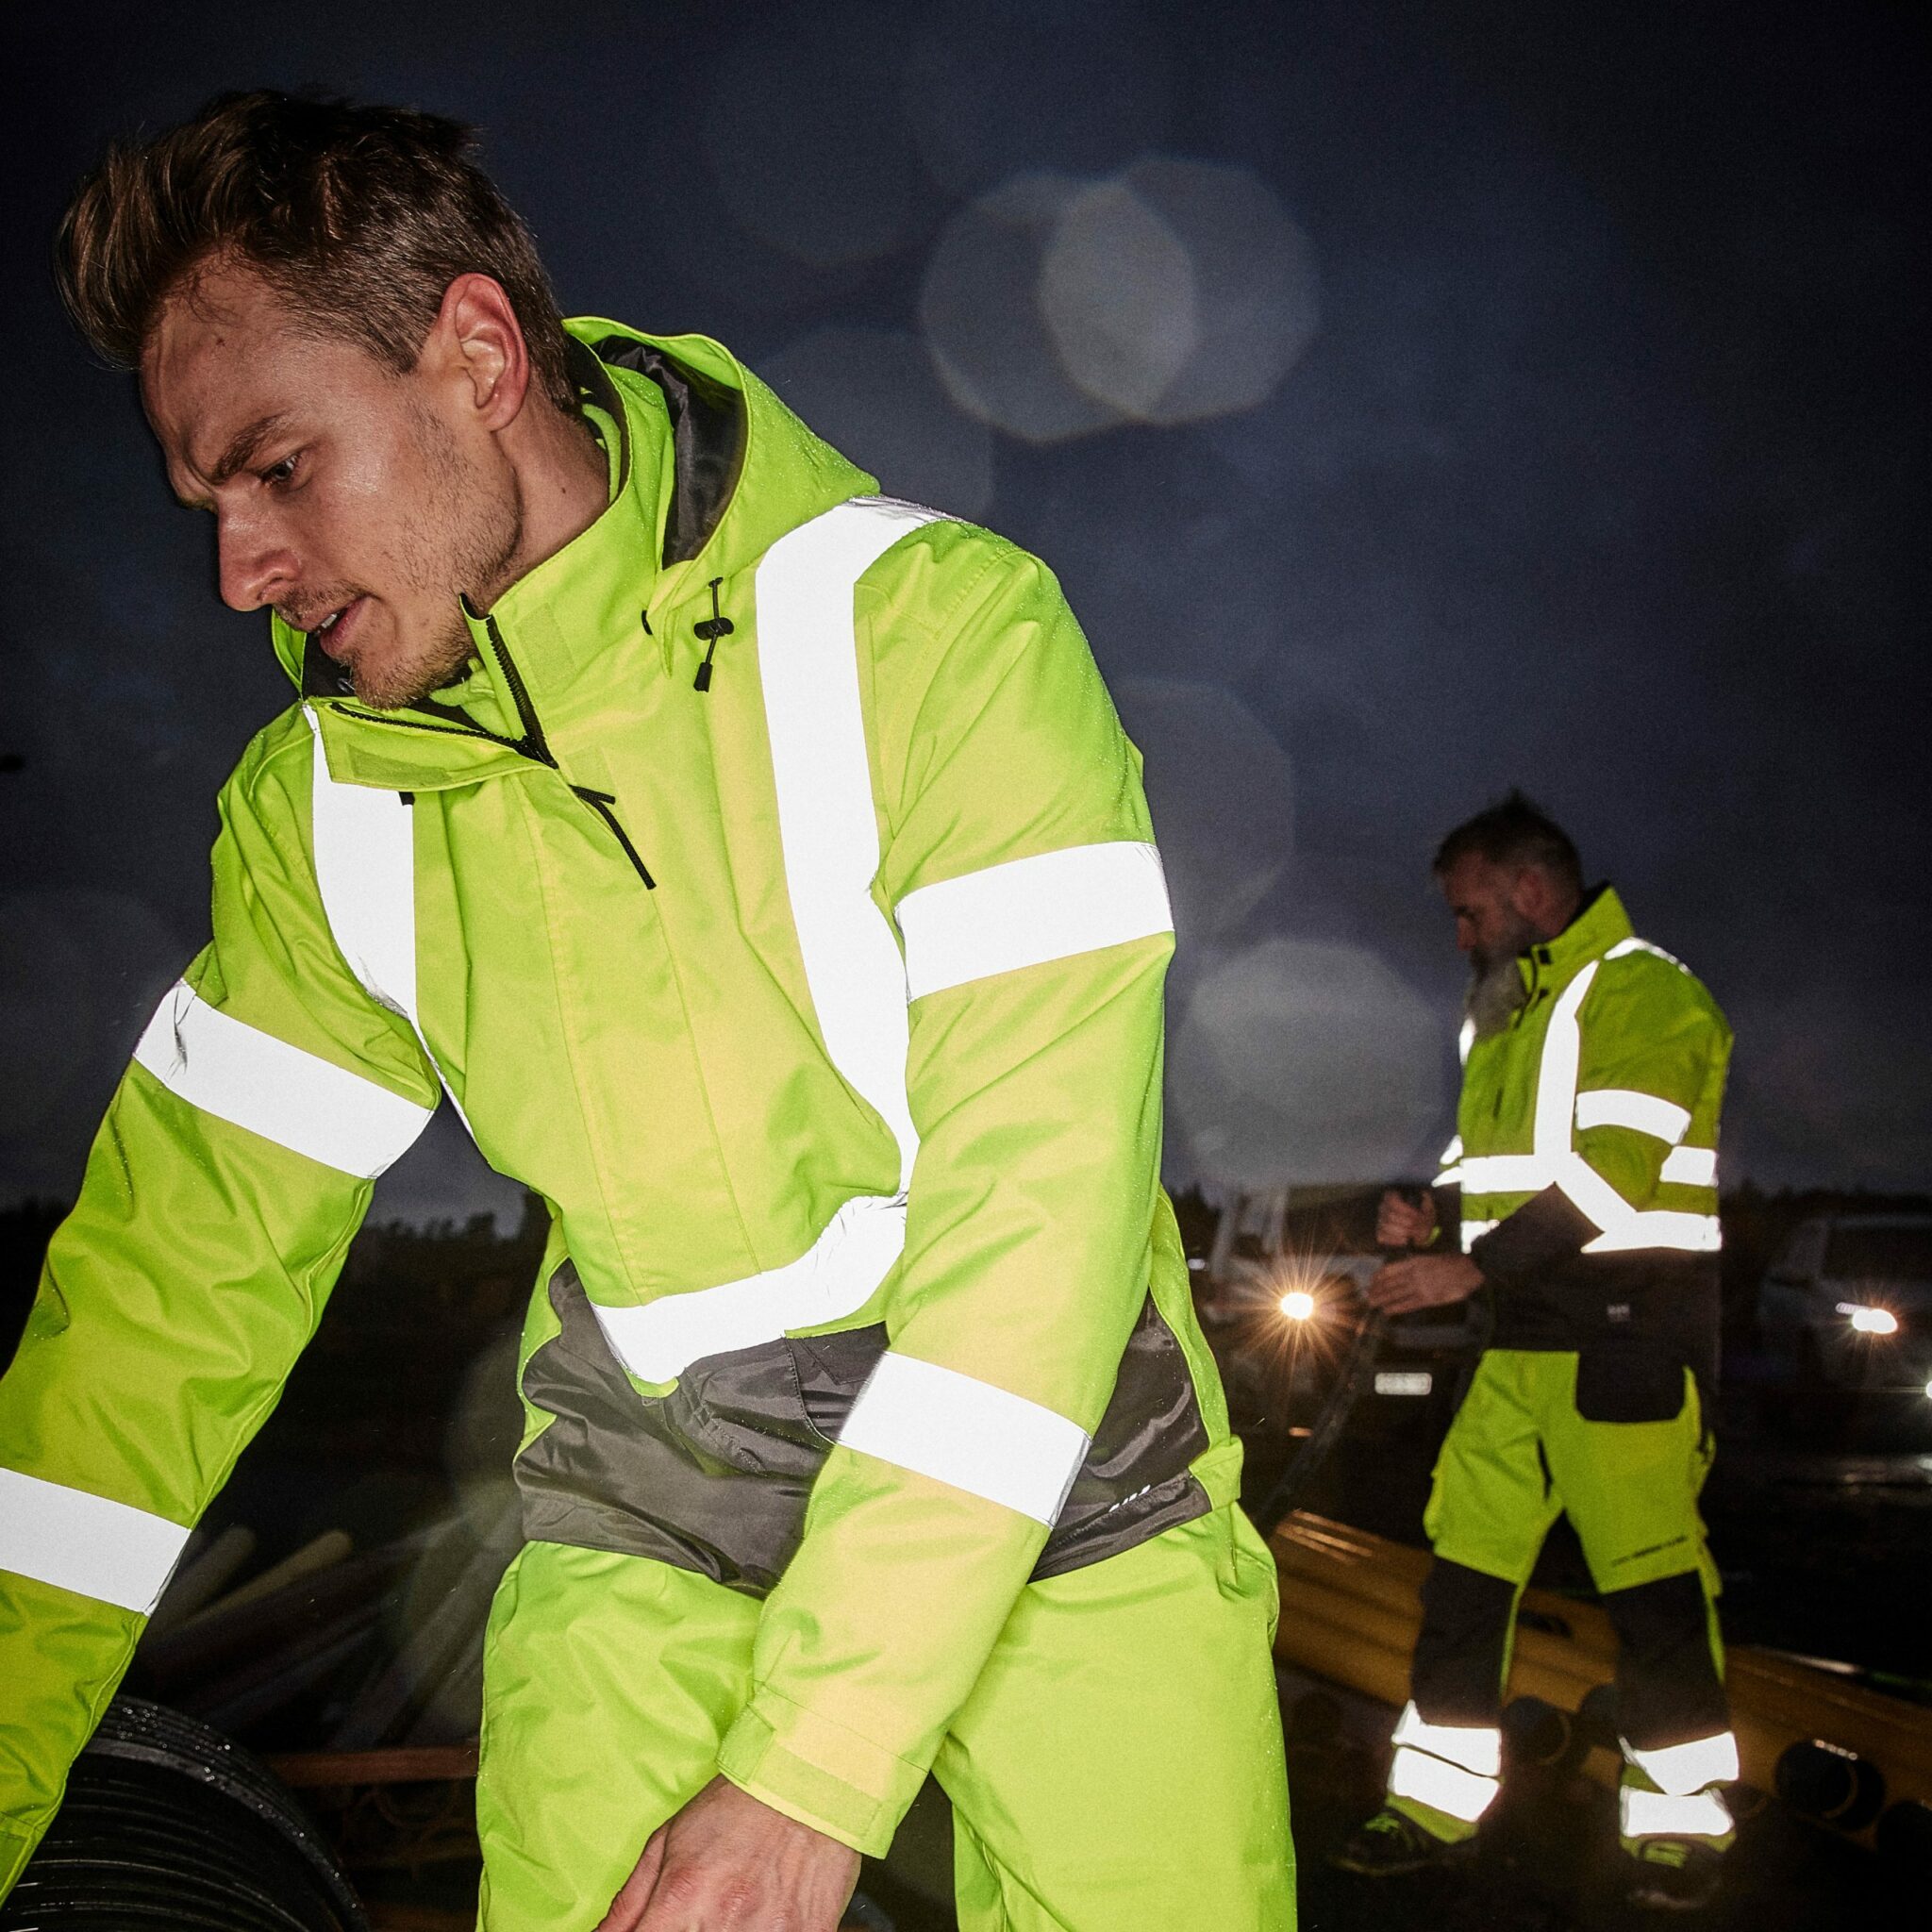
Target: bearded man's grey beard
(1496, 993)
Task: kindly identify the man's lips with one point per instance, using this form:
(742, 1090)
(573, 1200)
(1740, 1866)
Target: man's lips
(334, 630)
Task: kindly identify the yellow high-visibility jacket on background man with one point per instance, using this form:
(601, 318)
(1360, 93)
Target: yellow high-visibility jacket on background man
(775, 897)
(1587, 1156)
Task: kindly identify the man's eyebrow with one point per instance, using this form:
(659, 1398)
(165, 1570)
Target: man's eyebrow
(242, 446)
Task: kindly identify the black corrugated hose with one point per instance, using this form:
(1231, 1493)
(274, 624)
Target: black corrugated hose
(168, 1825)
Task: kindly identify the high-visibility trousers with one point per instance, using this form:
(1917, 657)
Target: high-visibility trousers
(1118, 1767)
(1519, 1452)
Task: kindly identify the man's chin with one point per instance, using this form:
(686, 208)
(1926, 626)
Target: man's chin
(390, 686)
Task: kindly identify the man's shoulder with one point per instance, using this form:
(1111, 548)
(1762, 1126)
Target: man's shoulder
(1639, 973)
(273, 768)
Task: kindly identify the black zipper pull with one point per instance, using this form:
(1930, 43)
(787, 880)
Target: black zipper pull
(711, 628)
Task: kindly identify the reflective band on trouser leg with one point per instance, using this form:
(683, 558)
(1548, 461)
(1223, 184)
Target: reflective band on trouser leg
(253, 1080)
(967, 1433)
(1682, 1769)
(828, 825)
(1667, 1814)
(1027, 911)
(1624, 1107)
(1474, 1747)
(834, 1277)
(77, 1540)
(1433, 1781)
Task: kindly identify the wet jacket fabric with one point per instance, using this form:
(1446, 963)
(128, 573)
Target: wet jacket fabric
(776, 896)
(1587, 1157)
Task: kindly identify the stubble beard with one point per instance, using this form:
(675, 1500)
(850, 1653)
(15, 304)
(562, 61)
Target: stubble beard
(464, 541)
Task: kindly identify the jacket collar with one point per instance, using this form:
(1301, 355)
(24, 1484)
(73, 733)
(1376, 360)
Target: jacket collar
(711, 469)
(1600, 923)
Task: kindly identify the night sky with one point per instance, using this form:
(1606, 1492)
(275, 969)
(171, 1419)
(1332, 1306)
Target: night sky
(1414, 400)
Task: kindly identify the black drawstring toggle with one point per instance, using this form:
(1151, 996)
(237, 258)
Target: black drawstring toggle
(711, 628)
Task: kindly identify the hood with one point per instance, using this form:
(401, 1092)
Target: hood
(735, 472)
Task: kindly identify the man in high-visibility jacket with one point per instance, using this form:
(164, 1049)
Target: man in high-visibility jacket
(1587, 1159)
(759, 868)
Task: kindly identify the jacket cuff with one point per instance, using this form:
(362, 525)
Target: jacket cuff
(819, 1772)
(1542, 1234)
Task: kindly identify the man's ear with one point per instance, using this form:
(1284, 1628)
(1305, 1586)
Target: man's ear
(479, 346)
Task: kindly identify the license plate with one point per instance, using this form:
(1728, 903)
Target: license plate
(1404, 1381)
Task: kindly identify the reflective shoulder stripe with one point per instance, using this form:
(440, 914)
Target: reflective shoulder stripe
(1624, 1107)
(1690, 1167)
(1682, 1769)
(365, 869)
(827, 826)
(967, 1433)
(1556, 1082)
(1029, 911)
(836, 1276)
(1474, 1747)
(1624, 948)
(250, 1078)
(75, 1540)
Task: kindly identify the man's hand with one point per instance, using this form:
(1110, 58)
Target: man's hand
(1424, 1281)
(1403, 1224)
(727, 1863)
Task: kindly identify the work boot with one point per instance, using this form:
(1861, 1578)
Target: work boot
(1392, 1843)
(1672, 1875)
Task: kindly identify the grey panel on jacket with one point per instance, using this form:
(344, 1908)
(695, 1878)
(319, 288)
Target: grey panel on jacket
(715, 1477)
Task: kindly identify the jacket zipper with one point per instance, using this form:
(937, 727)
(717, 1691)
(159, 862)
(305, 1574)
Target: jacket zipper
(533, 747)
(536, 746)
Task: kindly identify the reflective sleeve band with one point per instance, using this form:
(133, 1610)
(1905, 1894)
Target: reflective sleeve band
(1662, 1814)
(967, 1434)
(1690, 1167)
(1431, 1780)
(1465, 1038)
(1449, 1169)
(1506, 1173)
(1624, 1107)
(1031, 910)
(836, 1276)
(253, 1080)
(1474, 1747)
(1453, 1153)
(75, 1540)
(1682, 1769)
(1473, 1231)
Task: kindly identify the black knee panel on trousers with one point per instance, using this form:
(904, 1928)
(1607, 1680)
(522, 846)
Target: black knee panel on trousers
(1457, 1677)
(1668, 1686)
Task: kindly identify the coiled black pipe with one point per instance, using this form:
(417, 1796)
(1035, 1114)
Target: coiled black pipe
(168, 1825)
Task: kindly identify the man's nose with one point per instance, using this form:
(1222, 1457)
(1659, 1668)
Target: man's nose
(254, 568)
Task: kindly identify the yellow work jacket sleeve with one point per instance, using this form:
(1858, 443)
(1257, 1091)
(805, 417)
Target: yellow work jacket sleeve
(233, 1166)
(1019, 866)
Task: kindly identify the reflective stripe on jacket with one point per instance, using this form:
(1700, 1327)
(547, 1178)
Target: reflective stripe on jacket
(1586, 1140)
(823, 1000)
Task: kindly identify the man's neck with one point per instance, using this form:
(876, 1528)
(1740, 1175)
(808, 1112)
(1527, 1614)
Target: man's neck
(563, 487)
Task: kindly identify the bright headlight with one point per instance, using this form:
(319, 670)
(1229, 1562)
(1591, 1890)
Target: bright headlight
(1869, 1321)
(1298, 1305)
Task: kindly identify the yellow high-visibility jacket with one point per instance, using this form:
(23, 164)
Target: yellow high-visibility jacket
(1587, 1154)
(818, 992)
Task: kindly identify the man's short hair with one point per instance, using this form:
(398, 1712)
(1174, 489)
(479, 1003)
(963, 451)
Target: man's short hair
(359, 216)
(1514, 831)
